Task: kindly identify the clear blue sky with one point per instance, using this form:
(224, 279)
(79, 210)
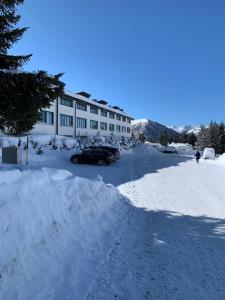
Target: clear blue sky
(158, 59)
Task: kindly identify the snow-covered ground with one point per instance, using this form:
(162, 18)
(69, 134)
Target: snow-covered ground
(152, 228)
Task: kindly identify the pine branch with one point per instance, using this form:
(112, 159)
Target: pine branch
(7, 21)
(8, 38)
(13, 62)
(7, 6)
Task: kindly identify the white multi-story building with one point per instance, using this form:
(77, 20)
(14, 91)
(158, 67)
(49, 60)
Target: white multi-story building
(76, 115)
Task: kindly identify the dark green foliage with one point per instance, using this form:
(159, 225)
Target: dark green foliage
(164, 139)
(203, 138)
(222, 138)
(212, 137)
(10, 35)
(142, 137)
(29, 92)
(22, 94)
(184, 137)
(191, 139)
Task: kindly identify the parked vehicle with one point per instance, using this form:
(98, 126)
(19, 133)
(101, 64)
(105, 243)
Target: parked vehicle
(115, 151)
(167, 149)
(93, 156)
(209, 153)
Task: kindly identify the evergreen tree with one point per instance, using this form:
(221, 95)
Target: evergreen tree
(203, 139)
(214, 136)
(192, 139)
(10, 35)
(22, 94)
(222, 138)
(184, 137)
(164, 138)
(142, 137)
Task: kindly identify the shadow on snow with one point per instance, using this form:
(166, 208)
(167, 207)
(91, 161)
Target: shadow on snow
(164, 255)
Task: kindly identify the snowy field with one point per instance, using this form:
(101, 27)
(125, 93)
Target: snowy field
(151, 226)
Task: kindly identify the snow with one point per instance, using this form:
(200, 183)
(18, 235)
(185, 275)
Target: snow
(209, 153)
(48, 219)
(186, 128)
(152, 130)
(221, 159)
(151, 226)
(139, 121)
(182, 148)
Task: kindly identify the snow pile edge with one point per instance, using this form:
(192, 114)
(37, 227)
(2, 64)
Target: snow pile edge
(54, 228)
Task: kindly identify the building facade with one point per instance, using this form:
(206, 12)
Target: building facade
(76, 115)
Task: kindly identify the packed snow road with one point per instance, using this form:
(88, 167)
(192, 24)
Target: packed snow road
(171, 244)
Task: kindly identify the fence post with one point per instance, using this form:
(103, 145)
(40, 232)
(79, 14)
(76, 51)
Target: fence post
(27, 150)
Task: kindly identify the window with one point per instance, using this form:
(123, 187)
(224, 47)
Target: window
(118, 117)
(128, 121)
(123, 129)
(47, 117)
(118, 128)
(81, 123)
(81, 106)
(93, 124)
(128, 129)
(66, 120)
(111, 127)
(66, 102)
(103, 126)
(111, 115)
(94, 110)
(124, 119)
(103, 112)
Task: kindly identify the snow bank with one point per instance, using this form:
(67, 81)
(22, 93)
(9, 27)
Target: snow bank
(182, 148)
(221, 160)
(209, 153)
(54, 229)
(62, 142)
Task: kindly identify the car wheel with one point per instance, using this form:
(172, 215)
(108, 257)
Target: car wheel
(75, 160)
(101, 162)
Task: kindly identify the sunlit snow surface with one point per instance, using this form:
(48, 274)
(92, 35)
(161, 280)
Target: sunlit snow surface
(150, 226)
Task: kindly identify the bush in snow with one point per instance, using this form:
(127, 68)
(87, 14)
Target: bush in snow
(112, 140)
(39, 150)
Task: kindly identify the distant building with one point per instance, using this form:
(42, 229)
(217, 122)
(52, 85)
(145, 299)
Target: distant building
(76, 115)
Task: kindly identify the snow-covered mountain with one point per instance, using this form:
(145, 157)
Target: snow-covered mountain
(186, 128)
(152, 129)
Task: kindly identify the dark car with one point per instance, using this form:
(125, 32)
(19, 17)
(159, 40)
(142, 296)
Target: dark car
(93, 156)
(115, 151)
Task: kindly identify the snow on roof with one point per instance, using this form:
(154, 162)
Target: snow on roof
(92, 102)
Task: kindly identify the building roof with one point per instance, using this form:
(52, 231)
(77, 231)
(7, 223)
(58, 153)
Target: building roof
(78, 96)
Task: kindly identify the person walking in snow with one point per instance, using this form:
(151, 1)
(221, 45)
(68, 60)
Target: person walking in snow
(197, 156)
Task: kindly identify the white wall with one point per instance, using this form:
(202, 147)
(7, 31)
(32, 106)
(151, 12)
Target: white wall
(90, 116)
(66, 110)
(41, 128)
